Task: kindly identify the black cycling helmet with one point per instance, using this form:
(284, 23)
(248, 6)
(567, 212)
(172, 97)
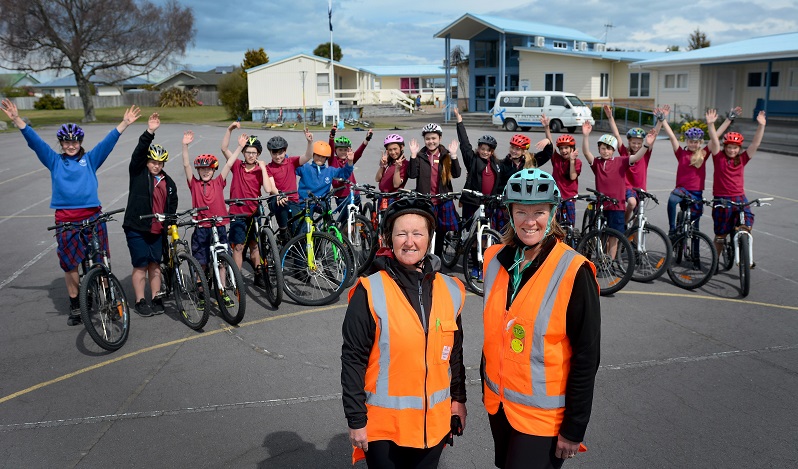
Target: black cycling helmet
(252, 141)
(277, 143)
(488, 140)
(405, 206)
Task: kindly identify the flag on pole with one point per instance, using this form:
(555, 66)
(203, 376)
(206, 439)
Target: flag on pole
(329, 14)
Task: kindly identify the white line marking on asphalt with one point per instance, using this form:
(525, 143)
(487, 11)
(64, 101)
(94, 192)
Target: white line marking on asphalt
(777, 237)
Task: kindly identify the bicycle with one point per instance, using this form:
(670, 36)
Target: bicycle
(268, 248)
(742, 243)
(652, 247)
(694, 257)
(607, 249)
(103, 305)
(181, 273)
(572, 234)
(357, 227)
(316, 266)
(224, 276)
(471, 243)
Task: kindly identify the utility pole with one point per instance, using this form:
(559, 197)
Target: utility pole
(607, 28)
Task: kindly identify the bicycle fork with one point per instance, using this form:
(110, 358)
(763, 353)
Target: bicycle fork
(736, 242)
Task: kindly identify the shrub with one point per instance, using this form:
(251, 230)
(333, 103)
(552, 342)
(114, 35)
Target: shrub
(49, 102)
(174, 97)
(234, 96)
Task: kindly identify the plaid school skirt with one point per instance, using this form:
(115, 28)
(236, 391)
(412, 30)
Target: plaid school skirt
(73, 245)
(446, 216)
(726, 217)
(499, 218)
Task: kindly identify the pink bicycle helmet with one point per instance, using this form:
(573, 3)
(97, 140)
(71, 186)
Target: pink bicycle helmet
(393, 138)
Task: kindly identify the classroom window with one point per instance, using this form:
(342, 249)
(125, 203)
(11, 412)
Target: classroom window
(560, 45)
(757, 79)
(553, 82)
(322, 83)
(794, 78)
(675, 81)
(486, 54)
(604, 87)
(639, 85)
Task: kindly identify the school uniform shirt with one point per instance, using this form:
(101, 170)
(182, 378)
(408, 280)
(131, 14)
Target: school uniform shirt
(210, 194)
(729, 180)
(611, 179)
(158, 201)
(285, 176)
(246, 184)
(335, 162)
(687, 176)
(561, 172)
(318, 179)
(386, 182)
(637, 174)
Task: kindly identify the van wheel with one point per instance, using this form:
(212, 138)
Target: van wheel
(510, 125)
(555, 126)
(571, 130)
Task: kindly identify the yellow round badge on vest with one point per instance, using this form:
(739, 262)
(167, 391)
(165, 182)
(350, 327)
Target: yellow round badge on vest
(518, 331)
(517, 345)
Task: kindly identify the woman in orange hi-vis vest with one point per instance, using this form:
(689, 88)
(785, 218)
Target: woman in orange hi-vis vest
(542, 325)
(402, 369)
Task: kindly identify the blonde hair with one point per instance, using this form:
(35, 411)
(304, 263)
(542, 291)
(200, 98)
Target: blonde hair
(529, 160)
(698, 157)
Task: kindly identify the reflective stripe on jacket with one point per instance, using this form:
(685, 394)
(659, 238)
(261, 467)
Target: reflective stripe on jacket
(407, 378)
(526, 353)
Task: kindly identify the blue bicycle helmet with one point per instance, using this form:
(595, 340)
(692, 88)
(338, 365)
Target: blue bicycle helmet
(636, 132)
(70, 132)
(694, 133)
(532, 186)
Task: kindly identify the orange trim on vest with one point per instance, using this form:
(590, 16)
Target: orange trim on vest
(526, 350)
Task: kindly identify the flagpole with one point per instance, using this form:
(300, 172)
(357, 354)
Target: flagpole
(332, 70)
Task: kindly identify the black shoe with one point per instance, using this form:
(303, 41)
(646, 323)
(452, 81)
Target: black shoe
(259, 281)
(74, 320)
(157, 305)
(143, 309)
(74, 312)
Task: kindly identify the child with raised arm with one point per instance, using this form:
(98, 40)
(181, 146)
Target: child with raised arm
(207, 191)
(341, 146)
(283, 170)
(73, 178)
(728, 181)
(249, 177)
(691, 169)
(610, 174)
(392, 173)
(151, 190)
(316, 176)
(565, 169)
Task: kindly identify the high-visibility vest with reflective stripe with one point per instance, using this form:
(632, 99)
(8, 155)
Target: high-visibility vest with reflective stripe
(526, 353)
(408, 378)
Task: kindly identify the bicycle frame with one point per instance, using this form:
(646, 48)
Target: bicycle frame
(216, 248)
(641, 218)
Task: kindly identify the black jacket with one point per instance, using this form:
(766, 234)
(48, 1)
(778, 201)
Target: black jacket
(420, 169)
(475, 166)
(139, 199)
(359, 331)
(583, 327)
(508, 169)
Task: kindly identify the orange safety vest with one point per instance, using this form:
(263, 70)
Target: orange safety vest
(526, 353)
(408, 382)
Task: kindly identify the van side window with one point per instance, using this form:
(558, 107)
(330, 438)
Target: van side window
(512, 101)
(534, 101)
(557, 101)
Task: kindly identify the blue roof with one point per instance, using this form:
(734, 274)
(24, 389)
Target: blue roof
(625, 56)
(408, 70)
(777, 46)
(69, 81)
(523, 28)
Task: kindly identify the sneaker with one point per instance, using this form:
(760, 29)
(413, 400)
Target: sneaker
(74, 312)
(228, 302)
(143, 309)
(259, 281)
(157, 305)
(476, 274)
(201, 304)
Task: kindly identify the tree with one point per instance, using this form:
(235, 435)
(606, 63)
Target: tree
(459, 60)
(673, 48)
(253, 58)
(234, 95)
(698, 40)
(323, 50)
(109, 39)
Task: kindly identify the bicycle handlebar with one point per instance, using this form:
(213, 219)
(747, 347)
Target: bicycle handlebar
(105, 216)
(172, 216)
(646, 195)
(720, 202)
(602, 197)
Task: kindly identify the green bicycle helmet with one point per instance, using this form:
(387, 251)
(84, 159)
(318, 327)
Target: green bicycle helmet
(532, 186)
(342, 142)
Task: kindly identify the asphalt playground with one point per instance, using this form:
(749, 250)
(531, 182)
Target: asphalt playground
(701, 378)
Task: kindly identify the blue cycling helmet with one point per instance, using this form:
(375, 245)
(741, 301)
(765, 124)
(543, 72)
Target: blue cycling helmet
(532, 186)
(70, 132)
(636, 132)
(694, 133)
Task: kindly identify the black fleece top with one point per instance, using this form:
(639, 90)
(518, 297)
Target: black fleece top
(139, 199)
(583, 328)
(475, 166)
(359, 333)
(508, 168)
(420, 169)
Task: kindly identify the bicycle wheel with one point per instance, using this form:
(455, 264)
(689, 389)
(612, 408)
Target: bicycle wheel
(363, 241)
(272, 272)
(613, 272)
(324, 280)
(653, 259)
(745, 266)
(368, 212)
(449, 253)
(231, 294)
(188, 287)
(349, 251)
(472, 267)
(726, 260)
(104, 309)
(587, 217)
(694, 261)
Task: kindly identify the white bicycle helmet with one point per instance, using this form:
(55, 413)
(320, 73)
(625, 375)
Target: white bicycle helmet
(431, 127)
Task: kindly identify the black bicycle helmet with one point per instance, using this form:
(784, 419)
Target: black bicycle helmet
(488, 140)
(405, 206)
(277, 143)
(252, 141)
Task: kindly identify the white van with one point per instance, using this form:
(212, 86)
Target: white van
(514, 109)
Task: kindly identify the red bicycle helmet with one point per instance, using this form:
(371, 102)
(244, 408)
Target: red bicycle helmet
(520, 141)
(566, 141)
(733, 138)
(206, 161)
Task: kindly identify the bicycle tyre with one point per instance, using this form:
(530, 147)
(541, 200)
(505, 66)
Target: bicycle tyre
(587, 217)
(726, 260)
(656, 256)
(272, 272)
(490, 237)
(235, 313)
(363, 242)
(694, 261)
(612, 274)
(104, 309)
(349, 251)
(329, 277)
(745, 266)
(449, 254)
(368, 212)
(187, 293)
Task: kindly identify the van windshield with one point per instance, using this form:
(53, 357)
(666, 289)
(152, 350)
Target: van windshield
(575, 101)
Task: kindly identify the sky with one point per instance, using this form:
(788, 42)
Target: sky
(392, 32)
